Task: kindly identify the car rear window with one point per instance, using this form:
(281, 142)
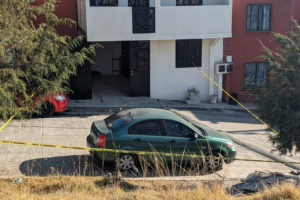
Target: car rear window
(119, 119)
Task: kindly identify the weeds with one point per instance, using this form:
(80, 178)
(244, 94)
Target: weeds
(66, 187)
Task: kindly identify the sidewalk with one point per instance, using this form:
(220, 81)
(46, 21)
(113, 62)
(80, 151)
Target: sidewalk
(138, 102)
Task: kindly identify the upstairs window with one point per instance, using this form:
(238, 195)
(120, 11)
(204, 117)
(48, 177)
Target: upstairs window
(188, 53)
(255, 75)
(188, 2)
(138, 3)
(259, 17)
(103, 2)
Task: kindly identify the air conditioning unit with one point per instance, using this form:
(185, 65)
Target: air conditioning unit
(223, 68)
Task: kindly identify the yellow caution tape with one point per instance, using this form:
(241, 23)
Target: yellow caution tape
(249, 111)
(132, 152)
(4, 125)
(11, 118)
(91, 149)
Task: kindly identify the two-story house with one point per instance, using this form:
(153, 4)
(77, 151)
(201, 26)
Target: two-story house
(155, 45)
(255, 20)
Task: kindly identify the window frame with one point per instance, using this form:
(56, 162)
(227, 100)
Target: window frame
(185, 64)
(116, 3)
(270, 20)
(134, 3)
(255, 80)
(138, 124)
(165, 132)
(177, 3)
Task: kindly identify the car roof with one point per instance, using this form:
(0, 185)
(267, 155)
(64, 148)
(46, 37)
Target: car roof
(152, 113)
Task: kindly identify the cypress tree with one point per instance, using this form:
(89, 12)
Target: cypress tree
(278, 100)
(35, 59)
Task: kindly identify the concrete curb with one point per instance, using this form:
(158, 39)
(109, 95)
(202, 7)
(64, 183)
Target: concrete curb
(117, 108)
(263, 152)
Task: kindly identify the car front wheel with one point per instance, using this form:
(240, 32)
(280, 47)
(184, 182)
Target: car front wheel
(214, 162)
(47, 109)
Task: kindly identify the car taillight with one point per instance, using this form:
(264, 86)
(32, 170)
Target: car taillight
(101, 140)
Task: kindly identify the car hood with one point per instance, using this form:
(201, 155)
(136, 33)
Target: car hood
(213, 133)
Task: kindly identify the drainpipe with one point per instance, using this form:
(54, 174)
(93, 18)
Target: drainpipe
(212, 68)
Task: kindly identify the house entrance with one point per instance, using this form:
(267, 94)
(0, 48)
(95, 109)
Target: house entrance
(121, 69)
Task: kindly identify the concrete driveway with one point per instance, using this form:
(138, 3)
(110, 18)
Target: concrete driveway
(72, 130)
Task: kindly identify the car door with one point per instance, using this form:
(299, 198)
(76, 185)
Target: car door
(180, 138)
(146, 136)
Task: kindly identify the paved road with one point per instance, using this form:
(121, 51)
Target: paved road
(243, 126)
(73, 129)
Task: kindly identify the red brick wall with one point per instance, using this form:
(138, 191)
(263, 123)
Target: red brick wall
(244, 46)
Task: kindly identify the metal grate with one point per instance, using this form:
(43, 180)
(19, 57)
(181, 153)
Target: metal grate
(143, 20)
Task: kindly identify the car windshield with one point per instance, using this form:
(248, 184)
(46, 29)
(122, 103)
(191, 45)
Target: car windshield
(191, 122)
(119, 119)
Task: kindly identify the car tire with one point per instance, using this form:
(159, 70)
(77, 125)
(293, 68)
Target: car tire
(47, 109)
(127, 162)
(214, 162)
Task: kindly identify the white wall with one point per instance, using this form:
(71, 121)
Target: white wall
(172, 22)
(123, 3)
(169, 82)
(217, 2)
(205, 2)
(103, 58)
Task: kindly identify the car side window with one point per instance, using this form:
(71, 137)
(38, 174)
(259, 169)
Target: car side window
(149, 127)
(134, 129)
(176, 129)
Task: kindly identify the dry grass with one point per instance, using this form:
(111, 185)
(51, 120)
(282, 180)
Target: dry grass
(76, 187)
(285, 191)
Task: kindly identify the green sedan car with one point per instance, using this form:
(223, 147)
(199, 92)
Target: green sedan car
(162, 131)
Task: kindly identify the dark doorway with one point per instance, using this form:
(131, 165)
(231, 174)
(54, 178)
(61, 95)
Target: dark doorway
(139, 56)
(81, 84)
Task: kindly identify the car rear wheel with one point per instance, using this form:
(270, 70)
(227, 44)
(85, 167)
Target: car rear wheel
(127, 162)
(214, 162)
(47, 109)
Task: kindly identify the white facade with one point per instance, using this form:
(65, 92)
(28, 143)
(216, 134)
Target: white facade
(171, 22)
(169, 82)
(210, 22)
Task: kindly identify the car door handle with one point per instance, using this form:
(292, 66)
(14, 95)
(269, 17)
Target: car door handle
(137, 140)
(172, 141)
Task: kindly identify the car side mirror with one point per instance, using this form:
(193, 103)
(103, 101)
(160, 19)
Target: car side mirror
(196, 136)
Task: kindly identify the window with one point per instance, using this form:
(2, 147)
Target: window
(149, 127)
(119, 119)
(188, 53)
(176, 129)
(188, 2)
(259, 17)
(103, 2)
(255, 75)
(138, 3)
